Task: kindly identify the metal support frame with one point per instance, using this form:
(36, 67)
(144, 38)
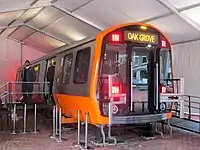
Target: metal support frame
(103, 135)
(45, 33)
(24, 118)
(86, 130)
(170, 128)
(23, 9)
(78, 17)
(57, 124)
(8, 92)
(168, 5)
(170, 13)
(79, 131)
(71, 13)
(59, 140)
(182, 99)
(110, 122)
(35, 119)
(14, 120)
(157, 130)
(79, 128)
(36, 29)
(131, 109)
(54, 123)
(156, 87)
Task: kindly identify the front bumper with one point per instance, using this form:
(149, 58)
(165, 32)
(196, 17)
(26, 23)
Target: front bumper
(137, 119)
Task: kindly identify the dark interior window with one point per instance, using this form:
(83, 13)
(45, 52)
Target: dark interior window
(82, 66)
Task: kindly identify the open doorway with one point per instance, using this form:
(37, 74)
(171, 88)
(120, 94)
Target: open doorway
(49, 77)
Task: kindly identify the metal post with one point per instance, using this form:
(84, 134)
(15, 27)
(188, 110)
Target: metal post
(199, 118)
(56, 120)
(24, 131)
(60, 126)
(10, 96)
(103, 135)
(132, 86)
(79, 128)
(110, 107)
(35, 118)
(189, 108)
(156, 88)
(86, 130)
(182, 86)
(110, 112)
(109, 86)
(14, 120)
(54, 132)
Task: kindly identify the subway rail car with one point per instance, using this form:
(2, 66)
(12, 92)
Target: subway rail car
(92, 72)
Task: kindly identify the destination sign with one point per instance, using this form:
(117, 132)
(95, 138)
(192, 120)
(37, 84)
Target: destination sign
(140, 37)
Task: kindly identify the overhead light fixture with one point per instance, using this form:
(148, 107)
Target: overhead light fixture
(143, 27)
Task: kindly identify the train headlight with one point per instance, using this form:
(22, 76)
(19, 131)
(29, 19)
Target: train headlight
(162, 106)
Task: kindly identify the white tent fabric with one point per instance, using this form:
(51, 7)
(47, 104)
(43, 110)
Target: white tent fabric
(187, 65)
(49, 24)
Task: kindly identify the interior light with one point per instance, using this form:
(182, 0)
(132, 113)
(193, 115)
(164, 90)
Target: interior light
(143, 27)
(149, 45)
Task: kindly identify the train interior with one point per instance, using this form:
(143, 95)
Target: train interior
(49, 77)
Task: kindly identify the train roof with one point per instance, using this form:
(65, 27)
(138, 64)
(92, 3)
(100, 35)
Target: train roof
(61, 49)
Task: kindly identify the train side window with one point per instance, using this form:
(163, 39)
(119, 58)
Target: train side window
(66, 73)
(37, 70)
(82, 66)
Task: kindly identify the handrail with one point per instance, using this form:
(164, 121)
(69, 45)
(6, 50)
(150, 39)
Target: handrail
(19, 82)
(4, 84)
(4, 93)
(7, 89)
(192, 102)
(191, 105)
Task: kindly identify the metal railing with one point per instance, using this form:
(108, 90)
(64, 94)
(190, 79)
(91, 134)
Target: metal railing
(13, 94)
(191, 119)
(191, 108)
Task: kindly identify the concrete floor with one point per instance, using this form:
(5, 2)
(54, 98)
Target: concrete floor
(181, 140)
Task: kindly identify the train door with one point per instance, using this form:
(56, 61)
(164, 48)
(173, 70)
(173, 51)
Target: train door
(144, 79)
(49, 77)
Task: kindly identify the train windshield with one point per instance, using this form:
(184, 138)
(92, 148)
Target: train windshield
(165, 66)
(115, 60)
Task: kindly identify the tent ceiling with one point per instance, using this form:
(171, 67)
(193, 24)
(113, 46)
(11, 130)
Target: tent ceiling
(49, 24)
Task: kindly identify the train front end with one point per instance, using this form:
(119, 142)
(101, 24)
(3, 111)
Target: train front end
(135, 61)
